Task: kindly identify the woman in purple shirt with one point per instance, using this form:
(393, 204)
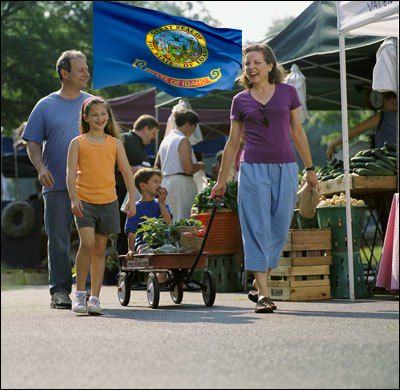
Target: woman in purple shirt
(268, 111)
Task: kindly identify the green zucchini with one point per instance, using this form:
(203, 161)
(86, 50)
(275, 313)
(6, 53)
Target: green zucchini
(390, 154)
(385, 165)
(366, 172)
(362, 159)
(358, 164)
(327, 177)
(381, 156)
(378, 168)
(390, 147)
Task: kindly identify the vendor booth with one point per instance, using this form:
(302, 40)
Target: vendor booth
(355, 18)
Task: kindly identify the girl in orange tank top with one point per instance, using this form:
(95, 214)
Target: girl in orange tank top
(91, 185)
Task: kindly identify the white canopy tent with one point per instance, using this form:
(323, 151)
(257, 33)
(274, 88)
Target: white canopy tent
(378, 18)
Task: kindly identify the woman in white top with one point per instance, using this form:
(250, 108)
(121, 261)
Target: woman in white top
(178, 164)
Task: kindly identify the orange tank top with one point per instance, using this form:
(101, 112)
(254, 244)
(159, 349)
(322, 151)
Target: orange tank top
(95, 182)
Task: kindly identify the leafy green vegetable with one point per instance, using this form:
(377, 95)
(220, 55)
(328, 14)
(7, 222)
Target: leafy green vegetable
(155, 232)
(203, 202)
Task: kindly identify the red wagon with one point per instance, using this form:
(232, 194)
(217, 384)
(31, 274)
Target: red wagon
(179, 268)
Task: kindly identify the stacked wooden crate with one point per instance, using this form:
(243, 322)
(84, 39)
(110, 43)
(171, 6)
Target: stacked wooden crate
(303, 272)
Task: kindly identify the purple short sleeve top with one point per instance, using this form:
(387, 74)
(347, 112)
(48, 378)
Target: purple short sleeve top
(263, 144)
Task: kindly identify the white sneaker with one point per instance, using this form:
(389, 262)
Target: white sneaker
(79, 304)
(93, 306)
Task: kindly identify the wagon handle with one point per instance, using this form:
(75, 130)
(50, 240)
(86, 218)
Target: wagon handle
(217, 202)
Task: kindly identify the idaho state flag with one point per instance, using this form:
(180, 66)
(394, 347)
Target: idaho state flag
(179, 56)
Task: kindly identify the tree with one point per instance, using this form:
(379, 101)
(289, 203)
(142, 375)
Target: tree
(278, 26)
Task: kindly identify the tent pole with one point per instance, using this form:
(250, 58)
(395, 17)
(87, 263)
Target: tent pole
(345, 139)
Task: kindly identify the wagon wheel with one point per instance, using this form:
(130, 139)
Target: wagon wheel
(209, 289)
(177, 292)
(153, 291)
(124, 288)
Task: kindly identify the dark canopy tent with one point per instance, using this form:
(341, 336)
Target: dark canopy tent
(311, 42)
(214, 123)
(127, 109)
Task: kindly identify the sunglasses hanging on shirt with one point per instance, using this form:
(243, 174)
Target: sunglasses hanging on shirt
(263, 110)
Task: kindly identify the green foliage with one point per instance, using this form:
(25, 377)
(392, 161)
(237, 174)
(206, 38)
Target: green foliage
(326, 139)
(187, 222)
(35, 33)
(279, 25)
(323, 126)
(155, 232)
(203, 202)
(175, 234)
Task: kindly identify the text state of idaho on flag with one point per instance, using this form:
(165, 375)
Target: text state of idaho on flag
(179, 56)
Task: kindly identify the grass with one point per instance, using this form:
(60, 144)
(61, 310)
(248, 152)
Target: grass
(377, 254)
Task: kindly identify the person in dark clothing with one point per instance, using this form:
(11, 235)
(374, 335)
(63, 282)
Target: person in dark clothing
(384, 122)
(144, 131)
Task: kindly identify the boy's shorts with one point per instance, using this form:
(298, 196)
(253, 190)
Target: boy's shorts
(104, 218)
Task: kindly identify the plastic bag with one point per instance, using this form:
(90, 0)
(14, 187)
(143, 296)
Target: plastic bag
(197, 136)
(384, 74)
(297, 79)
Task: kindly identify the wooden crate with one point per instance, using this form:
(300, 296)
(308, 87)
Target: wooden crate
(316, 293)
(303, 272)
(307, 247)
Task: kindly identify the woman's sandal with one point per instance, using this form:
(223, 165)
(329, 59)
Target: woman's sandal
(263, 306)
(253, 296)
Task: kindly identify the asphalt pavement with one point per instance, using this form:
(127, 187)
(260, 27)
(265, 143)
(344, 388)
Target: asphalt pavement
(330, 344)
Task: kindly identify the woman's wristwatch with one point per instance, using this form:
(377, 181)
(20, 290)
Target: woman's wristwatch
(312, 168)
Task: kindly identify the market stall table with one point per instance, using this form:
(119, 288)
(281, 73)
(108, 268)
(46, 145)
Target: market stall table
(377, 188)
(360, 186)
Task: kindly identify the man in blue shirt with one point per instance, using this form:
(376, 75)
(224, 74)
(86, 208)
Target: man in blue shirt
(52, 124)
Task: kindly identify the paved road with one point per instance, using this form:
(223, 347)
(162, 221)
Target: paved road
(335, 344)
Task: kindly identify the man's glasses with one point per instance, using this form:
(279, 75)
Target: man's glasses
(263, 110)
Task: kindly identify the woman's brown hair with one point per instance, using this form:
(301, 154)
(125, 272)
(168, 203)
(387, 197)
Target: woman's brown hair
(112, 127)
(277, 73)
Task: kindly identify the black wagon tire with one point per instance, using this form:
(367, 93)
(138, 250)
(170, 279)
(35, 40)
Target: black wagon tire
(124, 288)
(177, 293)
(27, 219)
(209, 289)
(153, 291)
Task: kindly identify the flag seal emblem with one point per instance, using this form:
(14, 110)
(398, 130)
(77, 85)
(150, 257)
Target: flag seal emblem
(177, 46)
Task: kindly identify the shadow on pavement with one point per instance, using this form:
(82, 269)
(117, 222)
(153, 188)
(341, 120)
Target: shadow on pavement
(186, 313)
(383, 315)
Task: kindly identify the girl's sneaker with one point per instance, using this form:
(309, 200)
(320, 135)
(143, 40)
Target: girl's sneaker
(93, 306)
(79, 304)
